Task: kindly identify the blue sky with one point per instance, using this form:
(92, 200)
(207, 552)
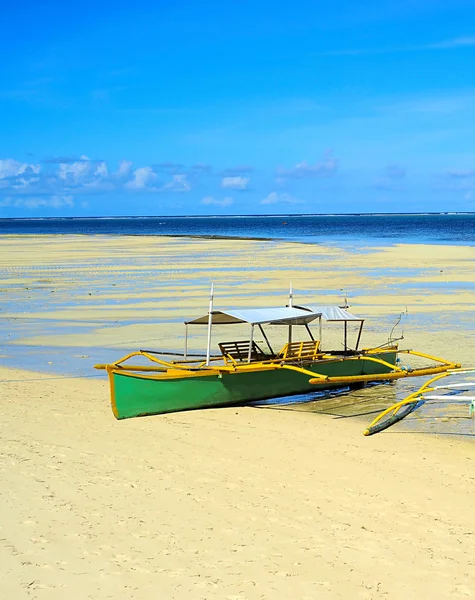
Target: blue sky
(237, 107)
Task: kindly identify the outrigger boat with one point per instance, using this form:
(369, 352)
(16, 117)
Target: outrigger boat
(245, 372)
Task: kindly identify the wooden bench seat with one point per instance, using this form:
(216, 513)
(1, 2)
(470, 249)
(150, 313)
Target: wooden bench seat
(239, 351)
(300, 350)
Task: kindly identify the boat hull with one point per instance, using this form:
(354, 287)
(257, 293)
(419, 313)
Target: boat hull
(137, 394)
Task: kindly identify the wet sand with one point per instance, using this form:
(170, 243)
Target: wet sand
(99, 292)
(235, 503)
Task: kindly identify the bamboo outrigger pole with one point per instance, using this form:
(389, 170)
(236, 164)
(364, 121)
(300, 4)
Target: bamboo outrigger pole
(210, 323)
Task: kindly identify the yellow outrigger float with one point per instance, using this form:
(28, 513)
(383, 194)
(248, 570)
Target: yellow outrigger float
(244, 372)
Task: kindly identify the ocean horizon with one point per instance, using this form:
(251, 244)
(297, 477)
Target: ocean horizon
(374, 228)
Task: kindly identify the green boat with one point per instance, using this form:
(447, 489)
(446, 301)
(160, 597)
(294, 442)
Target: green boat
(246, 370)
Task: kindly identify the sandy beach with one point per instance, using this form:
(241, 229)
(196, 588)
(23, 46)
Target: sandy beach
(232, 503)
(236, 503)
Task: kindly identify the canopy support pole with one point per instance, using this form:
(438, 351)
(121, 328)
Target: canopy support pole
(346, 335)
(250, 344)
(359, 335)
(320, 329)
(309, 332)
(210, 323)
(186, 341)
(267, 341)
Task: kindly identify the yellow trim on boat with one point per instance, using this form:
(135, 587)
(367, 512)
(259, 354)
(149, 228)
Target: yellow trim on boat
(174, 370)
(385, 376)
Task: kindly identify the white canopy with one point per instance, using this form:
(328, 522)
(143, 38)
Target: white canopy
(332, 313)
(260, 316)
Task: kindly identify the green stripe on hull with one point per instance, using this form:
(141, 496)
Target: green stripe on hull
(134, 395)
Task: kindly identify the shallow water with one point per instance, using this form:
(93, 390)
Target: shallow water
(449, 417)
(66, 305)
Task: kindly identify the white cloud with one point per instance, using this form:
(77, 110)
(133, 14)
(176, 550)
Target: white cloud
(324, 168)
(124, 169)
(63, 176)
(179, 183)
(102, 170)
(33, 202)
(224, 202)
(76, 172)
(143, 177)
(12, 168)
(284, 198)
(235, 183)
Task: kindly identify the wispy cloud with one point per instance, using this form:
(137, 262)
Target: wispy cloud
(387, 185)
(179, 183)
(125, 166)
(210, 200)
(459, 42)
(235, 183)
(239, 170)
(395, 172)
(324, 168)
(168, 167)
(202, 169)
(442, 105)
(457, 180)
(453, 43)
(280, 198)
(391, 179)
(460, 173)
(33, 202)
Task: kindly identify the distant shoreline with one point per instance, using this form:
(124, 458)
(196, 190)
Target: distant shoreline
(237, 216)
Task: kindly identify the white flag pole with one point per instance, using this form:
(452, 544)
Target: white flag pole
(210, 323)
(290, 305)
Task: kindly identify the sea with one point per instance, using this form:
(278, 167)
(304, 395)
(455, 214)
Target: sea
(446, 228)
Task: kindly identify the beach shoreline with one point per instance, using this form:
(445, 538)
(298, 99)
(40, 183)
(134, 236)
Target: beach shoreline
(234, 503)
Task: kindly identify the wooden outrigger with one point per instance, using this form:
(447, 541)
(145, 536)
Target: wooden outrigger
(244, 372)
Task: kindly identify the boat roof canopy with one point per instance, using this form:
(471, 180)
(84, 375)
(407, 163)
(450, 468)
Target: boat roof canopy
(260, 316)
(331, 313)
